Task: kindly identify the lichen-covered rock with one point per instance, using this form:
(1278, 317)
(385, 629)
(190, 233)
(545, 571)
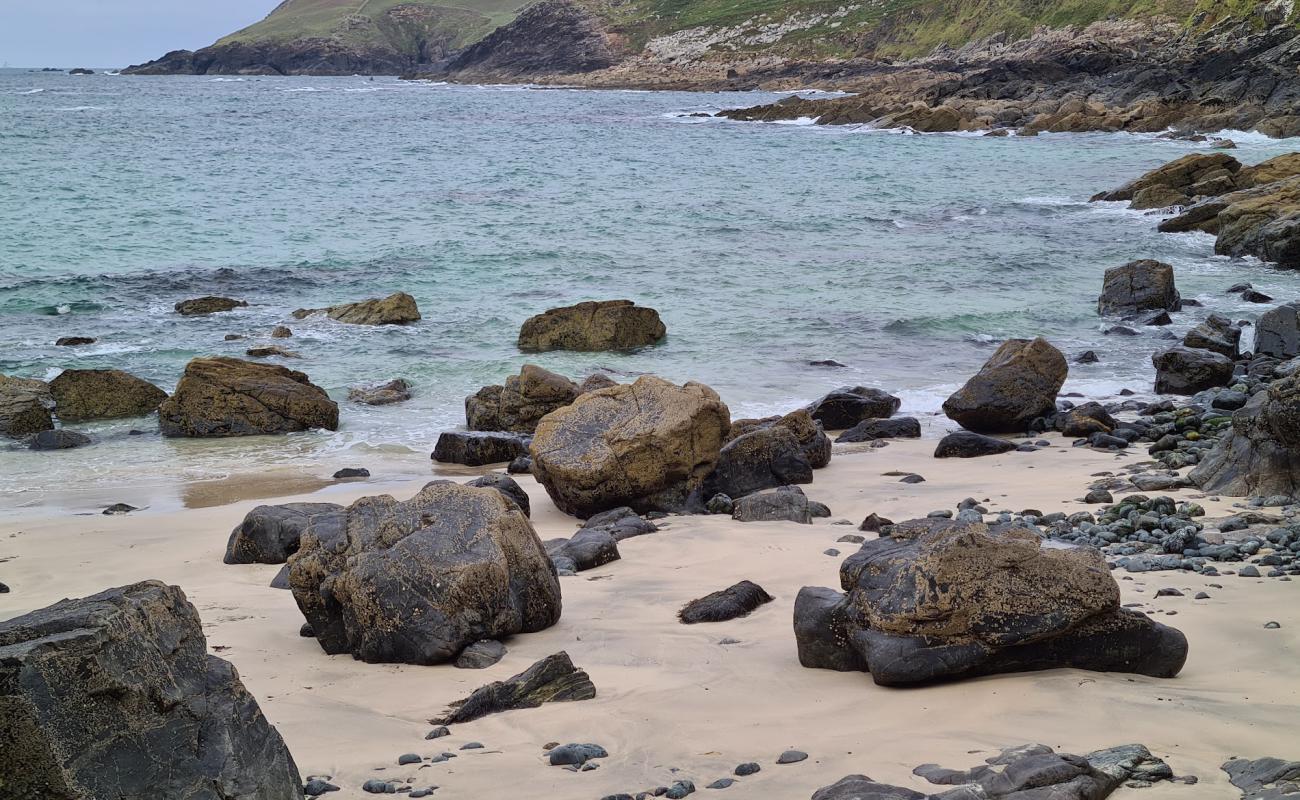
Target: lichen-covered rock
(478, 448)
(396, 309)
(648, 445)
(24, 407)
(521, 402)
(270, 534)
(81, 395)
(1217, 334)
(1144, 285)
(1263, 221)
(964, 600)
(115, 695)
(814, 442)
(1183, 370)
(416, 581)
(1178, 175)
(761, 459)
(507, 486)
(1016, 385)
(603, 325)
(849, 405)
(208, 305)
(229, 397)
(554, 679)
(1260, 455)
(1277, 333)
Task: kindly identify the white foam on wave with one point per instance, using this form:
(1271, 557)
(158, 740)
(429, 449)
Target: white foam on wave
(1251, 137)
(227, 80)
(31, 91)
(304, 89)
(80, 108)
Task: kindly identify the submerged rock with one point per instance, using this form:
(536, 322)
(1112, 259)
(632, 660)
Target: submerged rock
(962, 600)
(74, 341)
(229, 397)
(734, 601)
(416, 581)
(603, 325)
(397, 390)
(82, 395)
(1016, 385)
(61, 439)
(648, 445)
(115, 695)
(554, 679)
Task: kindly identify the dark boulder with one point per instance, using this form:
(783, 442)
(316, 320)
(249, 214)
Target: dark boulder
(507, 486)
(813, 440)
(1182, 370)
(554, 679)
(219, 397)
(849, 405)
(1260, 455)
(477, 448)
(115, 695)
(1264, 778)
(869, 430)
(25, 405)
(620, 523)
(605, 325)
(74, 341)
(481, 655)
(586, 549)
(761, 459)
(965, 444)
(208, 305)
(270, 534)
(734, 601)
(785, 503)
(1217, 334)
(81, 395)
(348, 473)
(965, 600)
(61, 439)
(521, 402)
(1139, 286)
(1277, 333)
(416, 581)
(1016, 385)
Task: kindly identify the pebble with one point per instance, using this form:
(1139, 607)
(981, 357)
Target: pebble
(4, 588)
(306, 631)
(408, 758)
(1248, 571)
(830, 551)
(422, 792)
(438, 733)
(575, 754)
(913, 478)
(1272, 626)
(472, 746)
(679, 790)
(376, 786)
(1202, 596)
(851, 538)
(720, 783)
(441, 757)
(748, 768)
(1168, 592)
(318, 786)
(791, 757)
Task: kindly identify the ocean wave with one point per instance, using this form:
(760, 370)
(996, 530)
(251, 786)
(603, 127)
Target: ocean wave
(80, 108)
(30, 91)
(227, 80)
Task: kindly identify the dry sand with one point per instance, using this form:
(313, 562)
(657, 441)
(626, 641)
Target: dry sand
(670, 697)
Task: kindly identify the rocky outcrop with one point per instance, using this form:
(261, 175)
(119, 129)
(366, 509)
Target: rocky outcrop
(25, 405)
(1260, 455)
(604, 325)
(1016, 385)
(81, 395)
(552, 37)
(964, 600)
(554, 679)
(1139, 286)
(1277, 332)
(1264, 778)
(270, 534)
(521, 402)
(115, 695)
(813, 441)
(479, 448)
(229, 397)
(1178, 176)
(200, 306)
(1182, 370)
(417, 581)
(648, 445)
(1220, 335)
(847, 406)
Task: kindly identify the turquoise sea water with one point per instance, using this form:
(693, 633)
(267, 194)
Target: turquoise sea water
(764, 246)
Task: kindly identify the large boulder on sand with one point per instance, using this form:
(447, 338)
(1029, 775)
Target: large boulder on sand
(849, 405)
(1144, 285)
(477, 448)
(813, 441)
(1277, 332)
(417, 581)
(228, 397)
(761, 459)
(115, 695)
(521, 402)
(81, 395)
(604, 325)
(1016, 385)
(648, 445)
(1260, 455)
(24, 407)
(270, 534)
(965, 600)
(1183, 370)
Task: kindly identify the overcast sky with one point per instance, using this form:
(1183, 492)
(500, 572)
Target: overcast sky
(115, 33)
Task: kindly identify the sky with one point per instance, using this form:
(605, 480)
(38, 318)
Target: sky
(115, 33)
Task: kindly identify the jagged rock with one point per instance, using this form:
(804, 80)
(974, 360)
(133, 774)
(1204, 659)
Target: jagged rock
(1182, 370)
(24, 407)
(1139, 286)
(1264, 778)
(648, 445)
(785, 503)
(383, 394)
(595, 382)
(849, 405)
(208, 305)
(1262, 220)
(605, 325)
(964, 600)
(481, 655)
(115, 695)
(477, 448)
(229, 397)
(1016, 385)
(416, 581)
(507, 486)
(546, 38)
(521, 402)
(396, 309)
(1260, 455)
(1277, 333)
(74, 341)
(1178, 175)
(554, 679)
(734, 601)
(869, 430)
(270, 534)
(61, 439)
(813, 440)
(81, 395)
(761, 459)
(1217, 334)
(965, 444)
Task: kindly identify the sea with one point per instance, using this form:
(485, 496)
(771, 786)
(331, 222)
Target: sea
(765, 247)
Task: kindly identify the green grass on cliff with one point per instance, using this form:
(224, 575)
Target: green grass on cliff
(362, 21)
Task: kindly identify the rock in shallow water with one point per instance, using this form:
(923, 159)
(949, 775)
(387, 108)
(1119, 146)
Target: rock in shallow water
(476, 449)
(82, 395)
(61, 439)
(521, 402)
(219, 397)
(604, 325)
(1139, 286)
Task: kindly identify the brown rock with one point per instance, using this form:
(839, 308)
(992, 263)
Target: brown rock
(396, 309)
(208, 305)
(229, 397)
(1016, 385)
(89, 394)
(520, 403)
(395, 391)
(605, 325)
(24, 407)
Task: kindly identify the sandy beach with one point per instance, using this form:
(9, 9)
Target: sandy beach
(672, 702)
